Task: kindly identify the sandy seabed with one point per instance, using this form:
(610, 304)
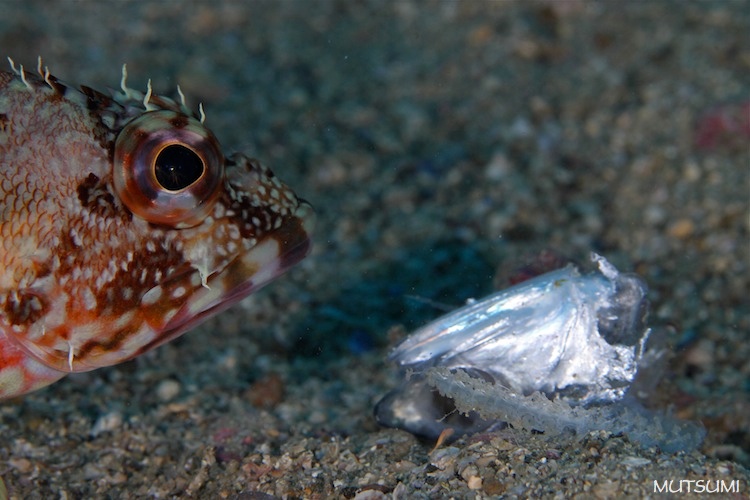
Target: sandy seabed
(442, 144)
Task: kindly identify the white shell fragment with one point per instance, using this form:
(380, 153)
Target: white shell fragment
(555, 354)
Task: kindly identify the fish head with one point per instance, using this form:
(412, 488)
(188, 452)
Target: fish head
(127, 224)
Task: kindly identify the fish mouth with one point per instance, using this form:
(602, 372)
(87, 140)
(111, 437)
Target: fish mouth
(273, 254)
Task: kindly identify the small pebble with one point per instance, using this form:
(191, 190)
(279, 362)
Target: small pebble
(681, 229)
(167, 390)
(474, 483)
(635, 461)
(106, 423)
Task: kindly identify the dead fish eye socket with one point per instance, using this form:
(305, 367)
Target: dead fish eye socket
(177, 167)
(168, 168)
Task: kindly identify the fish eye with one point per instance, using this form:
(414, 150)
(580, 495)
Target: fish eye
(168, 168)
(177, 167)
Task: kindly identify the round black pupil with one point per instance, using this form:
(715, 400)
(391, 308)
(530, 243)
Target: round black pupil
(177, 167)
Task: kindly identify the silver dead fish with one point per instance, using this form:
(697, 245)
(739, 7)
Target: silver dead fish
(555, 353)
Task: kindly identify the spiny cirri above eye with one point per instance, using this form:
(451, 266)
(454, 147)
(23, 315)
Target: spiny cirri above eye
(168, 168)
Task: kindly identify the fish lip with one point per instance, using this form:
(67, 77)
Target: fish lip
(294, 237)
(295, 251)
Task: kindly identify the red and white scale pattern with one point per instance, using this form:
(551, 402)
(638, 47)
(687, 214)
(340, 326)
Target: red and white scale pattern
(99, 261)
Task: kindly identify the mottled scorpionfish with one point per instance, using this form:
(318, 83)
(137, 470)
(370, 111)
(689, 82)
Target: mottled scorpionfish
(123, 225)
